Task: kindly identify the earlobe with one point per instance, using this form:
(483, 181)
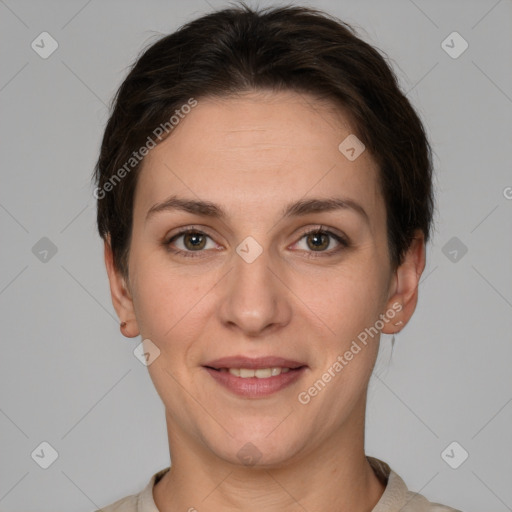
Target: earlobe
(406, 281)
(120, 294)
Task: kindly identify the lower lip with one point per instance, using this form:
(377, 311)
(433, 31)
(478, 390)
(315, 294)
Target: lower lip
(253, 387)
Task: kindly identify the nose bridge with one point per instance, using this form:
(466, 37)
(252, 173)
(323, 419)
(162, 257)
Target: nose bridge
(255, 298)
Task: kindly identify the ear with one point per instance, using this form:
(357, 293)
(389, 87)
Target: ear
(120, 293)
(404, 285)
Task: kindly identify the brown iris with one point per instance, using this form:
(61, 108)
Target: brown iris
(196, 243)
(317, 236)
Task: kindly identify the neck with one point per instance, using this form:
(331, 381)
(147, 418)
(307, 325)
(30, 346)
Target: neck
(335, 471)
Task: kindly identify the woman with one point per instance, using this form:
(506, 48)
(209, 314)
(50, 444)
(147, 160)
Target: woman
(264, 194)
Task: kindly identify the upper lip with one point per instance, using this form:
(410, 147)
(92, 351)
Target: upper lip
(253, 363)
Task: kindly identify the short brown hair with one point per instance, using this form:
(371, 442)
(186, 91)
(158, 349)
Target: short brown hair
(287, 48)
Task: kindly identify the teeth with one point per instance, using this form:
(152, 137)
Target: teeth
(260, 373)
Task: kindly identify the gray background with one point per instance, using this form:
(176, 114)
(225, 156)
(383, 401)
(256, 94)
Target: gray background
(67, 375)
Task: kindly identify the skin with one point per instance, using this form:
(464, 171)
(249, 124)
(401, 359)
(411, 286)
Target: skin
(252, 155)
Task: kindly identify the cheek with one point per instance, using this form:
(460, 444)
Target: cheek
(169, 309)
(348, 299)
(157, 297)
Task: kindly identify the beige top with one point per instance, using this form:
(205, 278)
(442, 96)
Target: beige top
(396, 497)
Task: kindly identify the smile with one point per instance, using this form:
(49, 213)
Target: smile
(255, 383)
(260, 373)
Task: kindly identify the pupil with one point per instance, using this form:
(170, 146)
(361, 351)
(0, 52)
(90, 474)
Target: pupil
(194, 238)
(317, 237)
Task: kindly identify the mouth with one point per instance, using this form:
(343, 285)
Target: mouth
(255, 378)
(259, 373)
(253, 363)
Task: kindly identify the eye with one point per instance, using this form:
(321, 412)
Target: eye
(317, 240)
(194, 240)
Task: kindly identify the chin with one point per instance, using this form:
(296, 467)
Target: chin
(259, 450)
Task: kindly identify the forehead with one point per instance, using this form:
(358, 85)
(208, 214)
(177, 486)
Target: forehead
(273, 147)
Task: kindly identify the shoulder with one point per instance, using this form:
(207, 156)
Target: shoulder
(396, 495)
(141, 502)
(127, 504)
(418, 503)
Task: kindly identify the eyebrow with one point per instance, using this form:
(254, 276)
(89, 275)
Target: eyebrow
(295, 209)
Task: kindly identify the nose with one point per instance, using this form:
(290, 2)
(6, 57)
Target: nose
(255, 300)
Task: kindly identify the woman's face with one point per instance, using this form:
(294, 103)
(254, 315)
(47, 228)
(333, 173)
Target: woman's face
(252, 283)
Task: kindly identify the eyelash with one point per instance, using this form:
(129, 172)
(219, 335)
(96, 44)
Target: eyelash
(310, 254)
